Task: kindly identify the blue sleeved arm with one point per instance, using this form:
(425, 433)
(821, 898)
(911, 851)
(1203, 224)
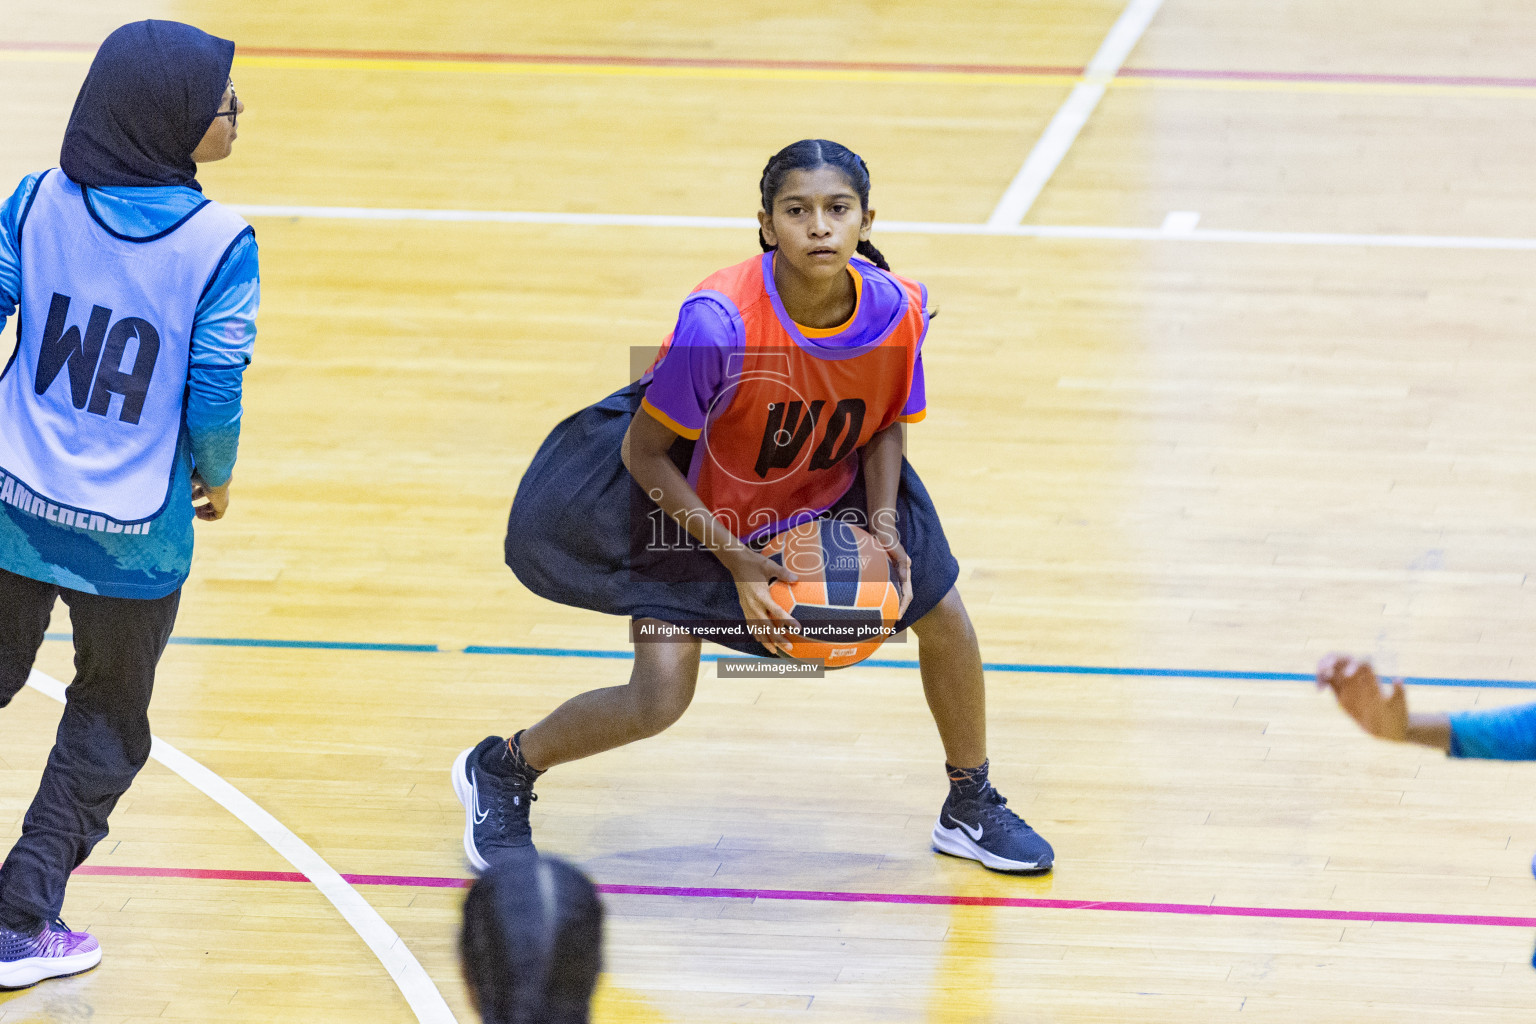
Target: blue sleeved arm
(223, 337)
(1501, 734)
(10, 245)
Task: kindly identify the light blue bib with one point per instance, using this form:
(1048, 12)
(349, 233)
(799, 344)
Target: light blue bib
(91, 402)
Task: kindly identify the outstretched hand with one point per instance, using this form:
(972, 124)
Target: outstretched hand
(1380, 711)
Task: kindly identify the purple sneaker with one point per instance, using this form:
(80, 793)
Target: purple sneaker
(54, 952)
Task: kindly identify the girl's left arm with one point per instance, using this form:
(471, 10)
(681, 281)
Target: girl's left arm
(223, 337)
(883, 456)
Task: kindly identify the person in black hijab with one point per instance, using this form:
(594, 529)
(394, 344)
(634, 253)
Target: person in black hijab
(531, 945)
(150, 96)
(117, 247)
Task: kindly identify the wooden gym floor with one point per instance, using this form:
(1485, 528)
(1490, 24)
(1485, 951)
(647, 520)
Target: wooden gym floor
(1206, 449)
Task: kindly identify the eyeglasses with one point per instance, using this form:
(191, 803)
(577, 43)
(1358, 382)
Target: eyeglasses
(233, 112)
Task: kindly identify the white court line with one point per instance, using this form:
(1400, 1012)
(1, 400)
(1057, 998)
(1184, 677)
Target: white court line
(911, 227)
(419, 991)
(1064, 128)
(496, 216)
(1181, 222)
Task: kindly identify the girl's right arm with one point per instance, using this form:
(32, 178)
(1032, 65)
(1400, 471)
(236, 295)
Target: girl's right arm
(1501, 734)
(645, 452)
(1383, 714)
(10, 246)
(223, 336)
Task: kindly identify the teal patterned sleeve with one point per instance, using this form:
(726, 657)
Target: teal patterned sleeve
(1500, 734)
(11, 212)
(223, 338)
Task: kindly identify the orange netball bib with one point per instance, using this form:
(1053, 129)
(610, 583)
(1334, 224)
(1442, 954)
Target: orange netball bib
(781, 436)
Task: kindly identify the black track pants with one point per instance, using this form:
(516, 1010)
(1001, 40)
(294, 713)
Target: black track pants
(103, 738)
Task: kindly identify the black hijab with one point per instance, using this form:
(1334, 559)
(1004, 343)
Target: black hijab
(148, 99)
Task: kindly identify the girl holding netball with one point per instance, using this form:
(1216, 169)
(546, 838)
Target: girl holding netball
(780, 396)
(119, 409)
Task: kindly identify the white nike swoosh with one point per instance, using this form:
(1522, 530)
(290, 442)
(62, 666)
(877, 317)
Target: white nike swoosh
(474, 786)
(975, 836)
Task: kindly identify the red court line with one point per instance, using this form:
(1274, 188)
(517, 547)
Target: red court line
(222, 875)
(814, 896)
(1334, 77)
(578, 60)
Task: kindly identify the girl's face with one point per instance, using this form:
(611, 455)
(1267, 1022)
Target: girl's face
(816, 222)
(220, 136)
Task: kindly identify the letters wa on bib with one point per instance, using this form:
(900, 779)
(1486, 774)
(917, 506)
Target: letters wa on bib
(92, 398)
(771, 419)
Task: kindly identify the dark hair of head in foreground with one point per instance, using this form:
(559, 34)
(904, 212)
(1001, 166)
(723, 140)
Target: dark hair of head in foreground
(807, 155)
(150, 94)
(531, 945)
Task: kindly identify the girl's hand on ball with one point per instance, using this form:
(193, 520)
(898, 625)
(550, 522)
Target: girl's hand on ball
(753, 574)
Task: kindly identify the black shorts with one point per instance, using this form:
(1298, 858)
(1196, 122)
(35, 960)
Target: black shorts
(581, 532)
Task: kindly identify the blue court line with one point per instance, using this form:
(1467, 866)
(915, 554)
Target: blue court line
(990, 666)
(1067, 670)
(560, 652)
(313, 645)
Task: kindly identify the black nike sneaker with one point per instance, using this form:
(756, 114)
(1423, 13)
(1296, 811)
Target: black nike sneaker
(495, 808)
(982, 828)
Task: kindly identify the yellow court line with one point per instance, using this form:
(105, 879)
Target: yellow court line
(1132, 81)
(45, 56)
(1125, 81)
(622, 1006)
(1128, 80)
(643, 71)
(596, 70)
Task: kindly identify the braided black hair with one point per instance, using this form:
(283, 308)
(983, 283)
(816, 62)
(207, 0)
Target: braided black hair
(531, 944)
(807, 155)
